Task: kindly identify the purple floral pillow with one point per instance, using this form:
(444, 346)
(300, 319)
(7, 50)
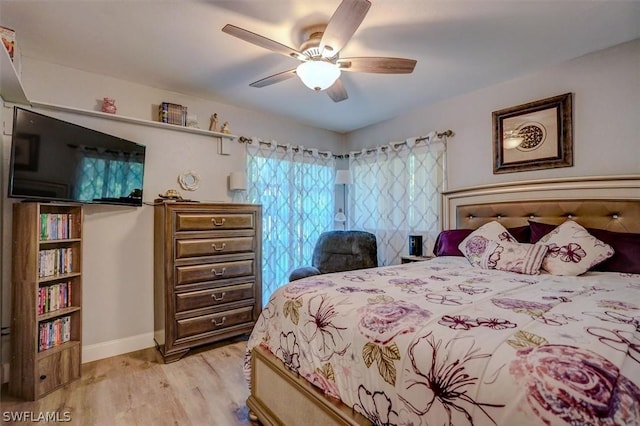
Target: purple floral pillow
(626, 246)
(514, 257)
(448, 240)
(474, 246)
(572, 250)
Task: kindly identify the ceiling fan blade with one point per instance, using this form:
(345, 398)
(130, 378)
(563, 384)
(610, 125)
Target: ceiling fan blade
(344, 22)
(337, 92)
(263, 42)
(378, 65)
(275, 78)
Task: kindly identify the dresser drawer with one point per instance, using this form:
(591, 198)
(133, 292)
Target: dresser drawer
(208, 323)
(213, 246)
(214, 271)
(213, 221)
(212, 297)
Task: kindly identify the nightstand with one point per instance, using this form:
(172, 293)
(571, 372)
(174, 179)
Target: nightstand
(409, 259)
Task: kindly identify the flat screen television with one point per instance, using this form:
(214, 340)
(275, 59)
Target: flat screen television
(53, 160)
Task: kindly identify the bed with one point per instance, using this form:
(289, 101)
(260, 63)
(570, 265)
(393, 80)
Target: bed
(442, 342)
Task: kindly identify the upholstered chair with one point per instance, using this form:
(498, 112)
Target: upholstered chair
(338, 251)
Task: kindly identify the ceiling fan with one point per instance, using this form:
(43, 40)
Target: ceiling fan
(320, 53)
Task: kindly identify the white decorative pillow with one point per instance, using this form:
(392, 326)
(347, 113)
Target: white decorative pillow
(572, 250)
(513, 257)
(474, 246)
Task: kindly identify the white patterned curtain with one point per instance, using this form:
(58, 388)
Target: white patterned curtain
(396, 193)
(295, 187)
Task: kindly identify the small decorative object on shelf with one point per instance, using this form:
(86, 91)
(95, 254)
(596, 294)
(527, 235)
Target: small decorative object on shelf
(8, 39)
(108, 105)
(214, 122)
(225, 128)
(171, 194)
(192, 121)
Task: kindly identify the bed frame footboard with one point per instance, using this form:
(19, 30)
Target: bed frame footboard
(280, 397)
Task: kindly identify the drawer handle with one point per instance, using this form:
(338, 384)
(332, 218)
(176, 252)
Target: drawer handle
(218, 299)
(43, 377)
(218, 324)
(218, 274)
(216, 223)
(216, 248)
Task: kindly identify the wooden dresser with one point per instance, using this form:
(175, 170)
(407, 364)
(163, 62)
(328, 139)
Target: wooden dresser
(207, 282)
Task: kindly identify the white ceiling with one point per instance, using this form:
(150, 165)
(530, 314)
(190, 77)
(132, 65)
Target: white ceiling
(460, 46)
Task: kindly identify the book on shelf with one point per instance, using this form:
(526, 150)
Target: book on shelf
(54, 333)
(56, 226)
(171, 113)
(53, 297)
(55, 262)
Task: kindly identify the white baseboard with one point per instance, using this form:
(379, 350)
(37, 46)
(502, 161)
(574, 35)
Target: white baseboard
(116, 347)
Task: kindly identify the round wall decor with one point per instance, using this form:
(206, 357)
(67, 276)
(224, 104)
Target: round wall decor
(189, 181)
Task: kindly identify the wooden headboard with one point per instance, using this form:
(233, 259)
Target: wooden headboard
(607, 202)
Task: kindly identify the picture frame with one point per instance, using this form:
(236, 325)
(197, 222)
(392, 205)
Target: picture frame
(534, 136)
(26, 150)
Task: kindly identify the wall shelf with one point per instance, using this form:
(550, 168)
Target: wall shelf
(10, 86)
(11, 90)
(132, 120)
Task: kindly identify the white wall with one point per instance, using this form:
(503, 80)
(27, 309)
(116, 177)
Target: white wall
(118, 241)
(606, 116)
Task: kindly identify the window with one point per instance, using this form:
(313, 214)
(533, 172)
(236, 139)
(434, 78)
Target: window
(396, 193)
(296, 190)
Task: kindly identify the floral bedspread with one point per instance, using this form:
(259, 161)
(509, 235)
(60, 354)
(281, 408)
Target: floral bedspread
(440, 342)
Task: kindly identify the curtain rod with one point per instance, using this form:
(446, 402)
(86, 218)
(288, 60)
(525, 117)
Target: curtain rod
(446, 133)
(242, 139)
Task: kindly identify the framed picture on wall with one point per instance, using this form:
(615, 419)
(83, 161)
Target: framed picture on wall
(534, 136)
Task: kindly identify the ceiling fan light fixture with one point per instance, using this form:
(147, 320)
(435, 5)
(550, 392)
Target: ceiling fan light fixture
(318, 75)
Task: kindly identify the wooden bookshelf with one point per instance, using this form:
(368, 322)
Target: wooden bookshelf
(45, 348)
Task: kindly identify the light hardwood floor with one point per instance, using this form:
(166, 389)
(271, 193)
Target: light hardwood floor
(206, 387)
